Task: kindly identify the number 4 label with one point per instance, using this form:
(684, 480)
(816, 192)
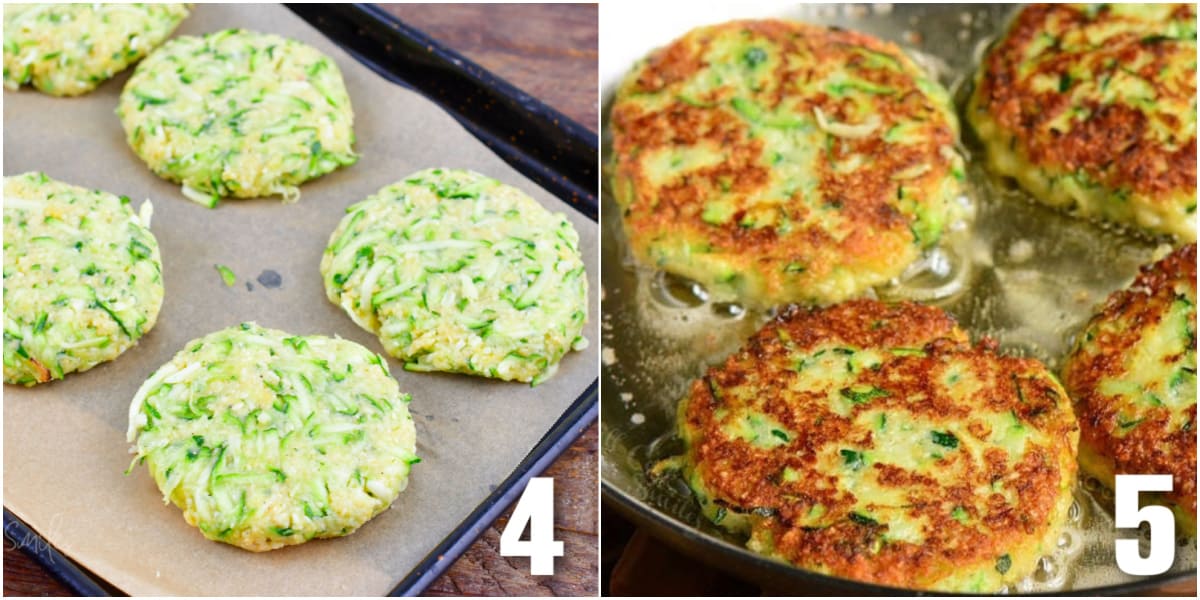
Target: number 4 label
(535, 507)
(1130, 515)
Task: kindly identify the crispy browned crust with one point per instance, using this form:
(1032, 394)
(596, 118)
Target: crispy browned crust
(747, 479)
(1155, 445)
(1112, 146)
(42, 374)
(874, 236)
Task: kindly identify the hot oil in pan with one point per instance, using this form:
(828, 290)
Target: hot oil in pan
(1020, 273)
(1034, 277)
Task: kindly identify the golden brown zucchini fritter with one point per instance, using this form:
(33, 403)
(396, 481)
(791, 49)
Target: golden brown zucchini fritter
(873, 442)
(1132, 377)
(776, 162)
(1093, 108)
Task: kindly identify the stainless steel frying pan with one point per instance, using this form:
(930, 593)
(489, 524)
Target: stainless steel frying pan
(1024, 274)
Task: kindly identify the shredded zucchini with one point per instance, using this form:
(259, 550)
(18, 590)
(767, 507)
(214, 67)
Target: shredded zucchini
(238, 114)
(69, 49)
(457, 272)
(266, 440)
(227, 275)
(82, 278)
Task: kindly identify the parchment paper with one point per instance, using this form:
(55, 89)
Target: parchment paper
(64, 442)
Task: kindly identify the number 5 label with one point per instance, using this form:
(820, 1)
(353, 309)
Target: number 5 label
(1130, 515)
(535, 507)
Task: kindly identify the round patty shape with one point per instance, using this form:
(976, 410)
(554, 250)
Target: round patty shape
(1132, 376)
(872, 442)
(458, 272)
(1093, 108)
(267, 440)
(69, 49)
(82, 278)
(238, 114)
(777, 162)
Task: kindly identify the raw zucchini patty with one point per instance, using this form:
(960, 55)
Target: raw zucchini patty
(781, 162)
(871, 441)
(82, 278)
(267, 440)
(1132, 376)
(69, 49)
(458, 272)
(238, 114)
(1093, 108)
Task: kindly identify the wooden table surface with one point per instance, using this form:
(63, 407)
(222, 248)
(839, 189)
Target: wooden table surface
(549, 51)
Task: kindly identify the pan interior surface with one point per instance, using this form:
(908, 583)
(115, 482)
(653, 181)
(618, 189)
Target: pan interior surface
(1023, 274)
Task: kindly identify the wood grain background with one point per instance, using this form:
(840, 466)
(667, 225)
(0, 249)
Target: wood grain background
(549, 51)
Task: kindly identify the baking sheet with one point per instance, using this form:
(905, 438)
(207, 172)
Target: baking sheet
(1033, 276)
(64, 442)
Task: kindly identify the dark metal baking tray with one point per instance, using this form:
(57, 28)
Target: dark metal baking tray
(537, 140)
